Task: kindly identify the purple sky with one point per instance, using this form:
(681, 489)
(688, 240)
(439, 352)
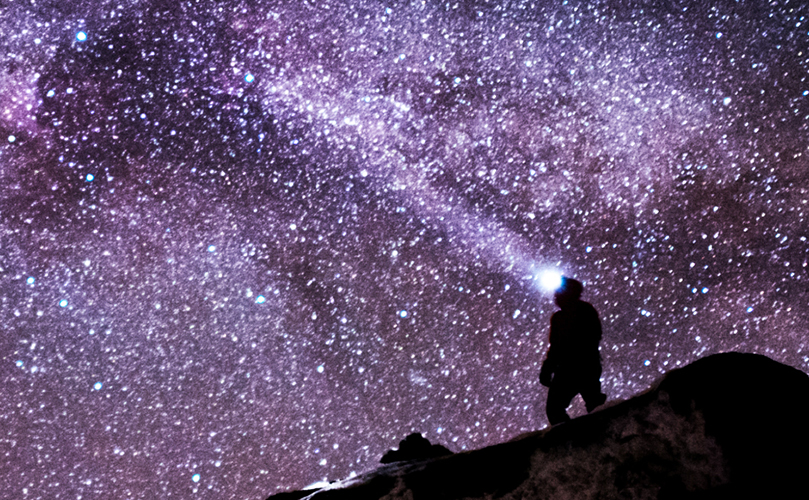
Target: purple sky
(246, 246)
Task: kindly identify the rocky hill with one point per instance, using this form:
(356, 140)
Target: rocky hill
(727, 426)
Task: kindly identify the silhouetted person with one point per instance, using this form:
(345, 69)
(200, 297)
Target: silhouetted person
(573, 363)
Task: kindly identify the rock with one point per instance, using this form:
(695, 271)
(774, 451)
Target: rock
(727, 426)
(414, 447)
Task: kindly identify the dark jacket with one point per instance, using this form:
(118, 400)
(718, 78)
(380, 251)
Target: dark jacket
(574, 338)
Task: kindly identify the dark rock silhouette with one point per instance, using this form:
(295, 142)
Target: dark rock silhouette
(414, 447)
(293, 495)
(727, 426)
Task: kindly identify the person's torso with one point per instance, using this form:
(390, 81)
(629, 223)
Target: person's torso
(576, 334)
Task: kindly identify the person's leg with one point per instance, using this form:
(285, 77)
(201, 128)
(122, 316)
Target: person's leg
(560, 394)
(591, 391)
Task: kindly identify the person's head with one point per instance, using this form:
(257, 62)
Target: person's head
(568, 292)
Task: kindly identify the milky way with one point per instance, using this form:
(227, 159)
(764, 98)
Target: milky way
(248, 246)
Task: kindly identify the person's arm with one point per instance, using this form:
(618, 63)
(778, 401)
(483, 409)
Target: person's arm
(550, 363)
(595, 324)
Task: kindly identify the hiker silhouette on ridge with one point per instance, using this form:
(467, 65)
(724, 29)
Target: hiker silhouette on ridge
(573, 363)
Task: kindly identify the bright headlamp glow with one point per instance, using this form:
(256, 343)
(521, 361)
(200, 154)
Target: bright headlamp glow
(550, 280)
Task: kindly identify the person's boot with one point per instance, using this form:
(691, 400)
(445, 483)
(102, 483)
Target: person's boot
(555, 418)
(595, 403)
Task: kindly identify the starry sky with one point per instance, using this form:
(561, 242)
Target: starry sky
(250, 245)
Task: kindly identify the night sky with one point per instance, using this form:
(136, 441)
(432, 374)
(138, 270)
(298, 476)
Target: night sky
(250, 245)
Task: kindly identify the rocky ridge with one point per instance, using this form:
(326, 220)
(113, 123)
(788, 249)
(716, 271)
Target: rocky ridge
(731, 425)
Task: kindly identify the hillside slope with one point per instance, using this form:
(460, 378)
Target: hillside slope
(730, 425)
